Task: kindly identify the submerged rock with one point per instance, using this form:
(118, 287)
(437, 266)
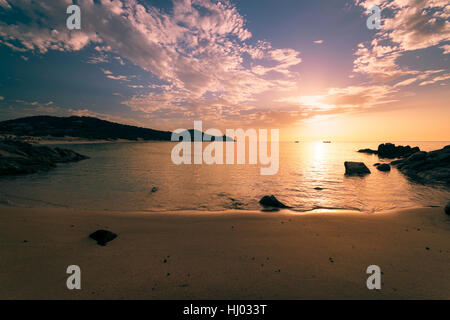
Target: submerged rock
(355, 168)
(271, 201)
(103, 236)
(384, 167)
(368, 151)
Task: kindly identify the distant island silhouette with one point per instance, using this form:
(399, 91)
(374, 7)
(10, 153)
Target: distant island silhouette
(85, 127)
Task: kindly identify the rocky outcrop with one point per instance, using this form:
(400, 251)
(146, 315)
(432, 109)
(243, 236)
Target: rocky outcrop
(103, 236)
(384, 167)
(355, 168)
(391, 151)
(427, 167)
(271, 201)
(368, 151)
(19, 157)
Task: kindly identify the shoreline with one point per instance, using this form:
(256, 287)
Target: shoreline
(225, 255)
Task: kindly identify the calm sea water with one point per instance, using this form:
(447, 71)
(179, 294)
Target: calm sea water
(120, 176)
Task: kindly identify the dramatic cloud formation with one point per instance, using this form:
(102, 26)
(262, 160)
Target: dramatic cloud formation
(199, 50)
(406, 25)
(205, 63)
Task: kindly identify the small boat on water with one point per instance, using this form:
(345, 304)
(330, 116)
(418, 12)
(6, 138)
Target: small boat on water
(326, 141)
(297, 141)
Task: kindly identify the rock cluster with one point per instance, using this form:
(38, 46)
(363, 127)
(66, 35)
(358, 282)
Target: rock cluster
(391, 151)
(427, 167)
(18, 157)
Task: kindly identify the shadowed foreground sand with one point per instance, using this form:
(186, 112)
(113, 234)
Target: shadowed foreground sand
(229, 255)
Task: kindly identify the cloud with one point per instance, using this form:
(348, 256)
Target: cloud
(446, 48)
(423, 76)
(436, 79)
(5, 4)
(200, 48)
(407, 25)
(351, 97)
(119, 77)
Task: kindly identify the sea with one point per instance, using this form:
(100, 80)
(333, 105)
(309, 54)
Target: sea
(141, 176)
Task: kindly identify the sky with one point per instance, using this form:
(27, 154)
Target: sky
(312, 69)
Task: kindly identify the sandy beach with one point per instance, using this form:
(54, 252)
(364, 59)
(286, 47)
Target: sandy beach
(225, 255)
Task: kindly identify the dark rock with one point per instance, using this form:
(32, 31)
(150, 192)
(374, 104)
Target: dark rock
(447, 208)
(154, 189)
(427, 168)
(418, 156)
(395, 162)
(271, 201)
(103, 236)
(384, 167)
(355, 168)
(368, 151)
(376, 164)
(18, 157)
(318, 188)
(391, 151)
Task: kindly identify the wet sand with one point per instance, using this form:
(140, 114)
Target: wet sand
(226, 255)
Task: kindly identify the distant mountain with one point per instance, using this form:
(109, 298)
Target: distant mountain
(82, 127)
(207, 136)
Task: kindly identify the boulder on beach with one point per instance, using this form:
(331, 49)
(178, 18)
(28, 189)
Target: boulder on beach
(271, 201)
(447, 208)
(384, 167)
(355, 168)
(103, 236)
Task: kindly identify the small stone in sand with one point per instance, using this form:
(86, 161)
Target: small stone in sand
(103, 236)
